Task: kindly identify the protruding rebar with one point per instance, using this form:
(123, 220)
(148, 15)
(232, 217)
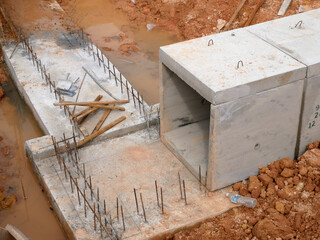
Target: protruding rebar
(135, 196)
(156, 186)
(184, 191)
(180, 185)
(144, 212)
(162, 210)
(118, 209)
(94, 216)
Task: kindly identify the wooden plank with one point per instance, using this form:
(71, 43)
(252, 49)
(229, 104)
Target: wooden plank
(284, 7)
(102, 120)
(98, 98)
(99, 132)
(235, 14)
(253, 13)
(63, 103)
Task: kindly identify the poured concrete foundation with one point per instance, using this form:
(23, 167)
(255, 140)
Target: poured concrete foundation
(64, 56)
(133, 161)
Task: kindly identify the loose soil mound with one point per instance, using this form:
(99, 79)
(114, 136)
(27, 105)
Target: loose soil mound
(287, 192)
(196, 18)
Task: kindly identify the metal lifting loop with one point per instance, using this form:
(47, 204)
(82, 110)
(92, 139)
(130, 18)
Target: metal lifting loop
(299, 24)
(240, 61)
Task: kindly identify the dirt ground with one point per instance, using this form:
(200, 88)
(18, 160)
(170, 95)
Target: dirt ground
(196, 18)
(288, 202)
(7, 195)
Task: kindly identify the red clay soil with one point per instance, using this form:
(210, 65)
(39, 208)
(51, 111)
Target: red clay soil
(196, 18)
(288, 196)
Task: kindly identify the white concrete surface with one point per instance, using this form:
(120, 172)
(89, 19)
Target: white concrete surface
(298, 36)
(300, 42)
(133, 161)
(212, 70)
(63, 55)
(255, 108)
(252, 132)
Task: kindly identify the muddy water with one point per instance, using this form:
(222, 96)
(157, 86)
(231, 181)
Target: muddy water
(104, 23)
(32, 216)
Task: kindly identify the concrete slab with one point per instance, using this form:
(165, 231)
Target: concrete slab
(133, 161)
(297, 35)
(216, 71)
(63, 55)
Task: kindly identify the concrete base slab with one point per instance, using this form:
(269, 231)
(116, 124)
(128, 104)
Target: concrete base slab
(64, 56)
(119, 165)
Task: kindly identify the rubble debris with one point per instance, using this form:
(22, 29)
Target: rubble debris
(287, 204)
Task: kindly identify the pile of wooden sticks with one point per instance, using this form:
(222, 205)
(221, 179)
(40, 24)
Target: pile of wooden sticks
(91, 108)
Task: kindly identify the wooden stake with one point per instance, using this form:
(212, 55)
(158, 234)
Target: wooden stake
(96, 105)
(102, 130)
(64, 103)
(253, 13)
(97, 99)
(235, 14)
(124, 226)
(101, 121)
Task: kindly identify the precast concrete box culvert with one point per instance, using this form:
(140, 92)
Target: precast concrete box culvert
(229, 103)
(299, 37)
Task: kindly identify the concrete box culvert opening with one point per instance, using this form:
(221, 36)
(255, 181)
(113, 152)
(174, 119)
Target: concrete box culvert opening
(229, 107)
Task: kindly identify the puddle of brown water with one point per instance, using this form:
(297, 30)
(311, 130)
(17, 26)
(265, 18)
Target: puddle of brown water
(104, 23)
(32, 216)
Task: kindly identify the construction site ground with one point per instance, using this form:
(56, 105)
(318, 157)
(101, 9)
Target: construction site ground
(287, 191)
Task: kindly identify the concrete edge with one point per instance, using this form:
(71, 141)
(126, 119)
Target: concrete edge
(21, 90)
(57, 211)
(167, 234)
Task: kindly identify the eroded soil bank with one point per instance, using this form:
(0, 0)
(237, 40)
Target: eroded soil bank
(288, 196)
(17, 124)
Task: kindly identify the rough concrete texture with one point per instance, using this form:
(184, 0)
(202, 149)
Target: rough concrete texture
(257, 129)
(255, 107)
(215, 72)
(298, 36)
(310, 122)
(61, 56)
(133, 161)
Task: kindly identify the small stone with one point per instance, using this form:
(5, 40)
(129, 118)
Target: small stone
(265, 179)
(287, 163)
(280, 207)
(254, 183)
(236, 186)
(305, 195)
(300, 186)
(287, 173)
(303, 171)
(221, 23)
(312, 157)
